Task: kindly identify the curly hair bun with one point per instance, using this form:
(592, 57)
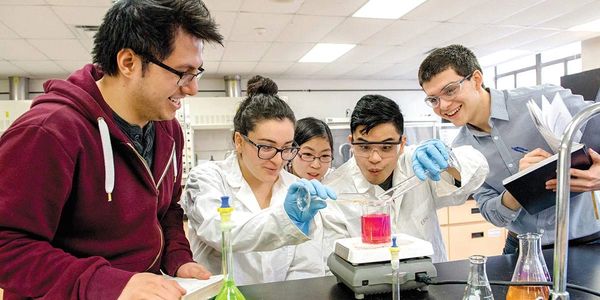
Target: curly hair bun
(261, 85)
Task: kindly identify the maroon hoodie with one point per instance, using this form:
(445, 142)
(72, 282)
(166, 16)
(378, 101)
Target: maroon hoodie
(60, 236)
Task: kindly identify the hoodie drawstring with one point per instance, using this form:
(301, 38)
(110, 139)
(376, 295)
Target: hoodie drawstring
(109, 165)
(175, 164)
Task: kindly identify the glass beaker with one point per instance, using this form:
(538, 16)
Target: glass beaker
(528, 268)
(375, 222)
(478, 286)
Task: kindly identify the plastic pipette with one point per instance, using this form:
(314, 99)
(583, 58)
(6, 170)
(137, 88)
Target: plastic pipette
(395, 261)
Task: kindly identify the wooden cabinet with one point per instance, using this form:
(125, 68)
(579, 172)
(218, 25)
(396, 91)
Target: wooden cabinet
(467, 233)
(474, 238)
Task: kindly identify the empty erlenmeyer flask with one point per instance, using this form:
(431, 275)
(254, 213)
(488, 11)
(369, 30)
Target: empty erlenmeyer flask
(478, 286)
(528, 268)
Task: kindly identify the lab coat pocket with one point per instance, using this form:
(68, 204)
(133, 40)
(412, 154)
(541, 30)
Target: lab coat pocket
(275, 264)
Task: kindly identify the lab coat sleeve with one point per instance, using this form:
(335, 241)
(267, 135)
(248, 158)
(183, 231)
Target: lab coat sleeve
(31, 204)
(473, 169)
(266, 230)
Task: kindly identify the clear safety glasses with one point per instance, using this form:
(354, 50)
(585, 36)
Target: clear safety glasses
(449, 92)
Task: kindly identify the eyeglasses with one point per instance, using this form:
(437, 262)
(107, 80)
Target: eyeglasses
(384, 149)
(184, 77)
(449, 92)
(307, 157)
(267, 152)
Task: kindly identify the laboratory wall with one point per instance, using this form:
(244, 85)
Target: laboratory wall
(590, 54)
(317, 98)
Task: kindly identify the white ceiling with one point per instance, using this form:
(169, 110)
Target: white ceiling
(38, 38)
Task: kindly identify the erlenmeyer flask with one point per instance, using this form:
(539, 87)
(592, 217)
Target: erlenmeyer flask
(528, 268)
(543, 260)
(478, 287)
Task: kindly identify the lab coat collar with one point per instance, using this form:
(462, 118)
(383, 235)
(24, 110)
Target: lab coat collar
(363, 185)
(234, 176)
(360, 182)
(244, 193)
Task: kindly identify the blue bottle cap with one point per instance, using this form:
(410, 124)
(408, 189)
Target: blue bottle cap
(224, 201)
(394, 245)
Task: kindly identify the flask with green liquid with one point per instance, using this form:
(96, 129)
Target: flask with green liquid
(228, 291)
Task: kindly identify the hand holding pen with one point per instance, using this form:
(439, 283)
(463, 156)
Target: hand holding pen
(531, 157)
(520, 149)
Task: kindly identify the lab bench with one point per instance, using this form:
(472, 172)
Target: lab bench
(583, 270)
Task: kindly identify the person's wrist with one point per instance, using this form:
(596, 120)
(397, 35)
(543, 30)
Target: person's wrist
(510, 202)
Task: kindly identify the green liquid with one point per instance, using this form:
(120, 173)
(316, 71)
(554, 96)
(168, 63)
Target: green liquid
(229, 292)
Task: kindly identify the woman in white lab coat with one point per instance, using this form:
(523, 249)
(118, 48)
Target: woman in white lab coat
(254, 179)
(316, 149)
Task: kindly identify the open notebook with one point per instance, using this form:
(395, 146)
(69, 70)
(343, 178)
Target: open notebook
(529, 186)
(199, 289)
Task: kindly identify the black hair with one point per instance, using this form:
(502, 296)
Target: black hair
(373, 110)
(309, 128)
(149, 27)
(462, 60)
(262, 103)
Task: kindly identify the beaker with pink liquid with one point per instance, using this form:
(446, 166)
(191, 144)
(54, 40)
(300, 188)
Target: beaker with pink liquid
(376, 227)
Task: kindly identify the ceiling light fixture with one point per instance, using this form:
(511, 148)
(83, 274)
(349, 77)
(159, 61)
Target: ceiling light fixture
(324, 53)
(386, 9)
(260, 30)
(501, 56)
(593, 26)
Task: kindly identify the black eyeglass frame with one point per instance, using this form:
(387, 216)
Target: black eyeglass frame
(314, 157)
(294, 149)
(428, 100)
(181, 81)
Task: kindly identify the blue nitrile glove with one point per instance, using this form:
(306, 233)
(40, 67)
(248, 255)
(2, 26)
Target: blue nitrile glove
(301, 214)
(429, 159)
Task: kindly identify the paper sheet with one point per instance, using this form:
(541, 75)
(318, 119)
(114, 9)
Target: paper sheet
(551, 120)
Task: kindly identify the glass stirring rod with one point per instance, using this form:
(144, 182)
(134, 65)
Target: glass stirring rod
(411, 182)
(396, 191)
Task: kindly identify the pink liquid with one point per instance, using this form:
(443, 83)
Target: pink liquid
(375, 228)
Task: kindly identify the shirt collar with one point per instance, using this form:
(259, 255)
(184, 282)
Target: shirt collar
(498, 110)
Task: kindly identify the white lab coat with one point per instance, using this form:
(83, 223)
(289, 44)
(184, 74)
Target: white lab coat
(414, 213)
(268, 230)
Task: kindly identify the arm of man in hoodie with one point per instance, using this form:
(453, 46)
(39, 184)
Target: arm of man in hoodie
(177, 251)
(34, 189)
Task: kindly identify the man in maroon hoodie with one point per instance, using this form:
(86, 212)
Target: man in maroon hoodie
(92, 173)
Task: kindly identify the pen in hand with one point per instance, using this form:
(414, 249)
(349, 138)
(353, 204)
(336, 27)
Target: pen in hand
(520, 149)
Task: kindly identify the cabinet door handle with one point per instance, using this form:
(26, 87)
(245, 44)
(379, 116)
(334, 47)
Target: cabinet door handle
(475, 210)
(476, 235)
